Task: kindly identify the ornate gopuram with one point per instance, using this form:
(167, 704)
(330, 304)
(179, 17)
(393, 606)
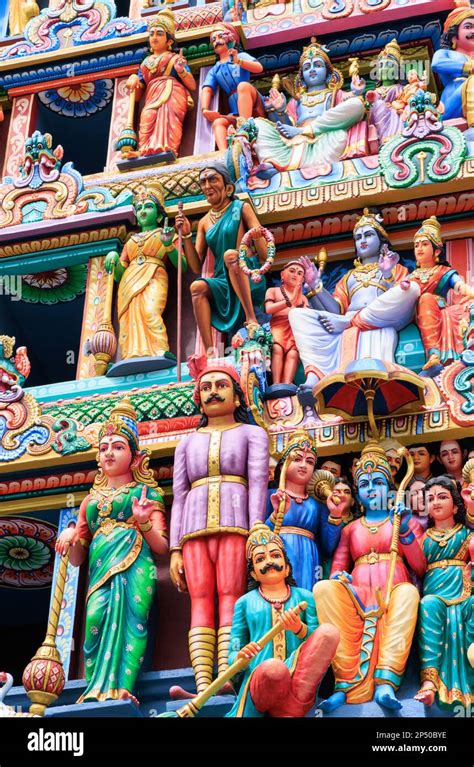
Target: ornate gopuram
(237, 358)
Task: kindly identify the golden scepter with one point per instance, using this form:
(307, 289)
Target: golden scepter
(192, 708)
(44, 678)
(281, 486)
(103, 344)
(321, 260)
(468, 474)
(354, 67)
(402, 452)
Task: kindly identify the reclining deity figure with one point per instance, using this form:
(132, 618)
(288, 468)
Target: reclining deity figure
(363, 316)
(319, 124)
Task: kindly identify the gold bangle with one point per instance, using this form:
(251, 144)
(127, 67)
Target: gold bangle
(315, 290)
(334, 520)
(302, 632)
(187, 236)
(145, 527)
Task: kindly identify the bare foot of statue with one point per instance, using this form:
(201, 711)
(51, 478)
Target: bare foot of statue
(385, 696)
(288, 131)
(332, 703)
(311, 381)
(333, 323)
(304, 391)
(179, 693)
(426, 694)
(432, 366)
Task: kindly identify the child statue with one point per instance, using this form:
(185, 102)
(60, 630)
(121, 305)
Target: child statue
(278, 302)
(122, 525)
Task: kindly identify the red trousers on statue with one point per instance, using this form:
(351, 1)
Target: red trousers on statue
(278, 692)
(215, 563)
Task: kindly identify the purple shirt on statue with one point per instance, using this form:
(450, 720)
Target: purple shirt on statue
(219, 483)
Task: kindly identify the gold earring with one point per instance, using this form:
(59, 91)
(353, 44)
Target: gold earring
(454, 44)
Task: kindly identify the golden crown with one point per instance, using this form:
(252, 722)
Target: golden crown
(391, 50)
(373, 458)
(153, 192)
(371, 219)
(164, 20)
(300, 440)
(123, 422)
(315, 49)
(430, 228)
(261, 535)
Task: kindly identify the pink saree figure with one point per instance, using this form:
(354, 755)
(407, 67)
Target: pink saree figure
(167, 81)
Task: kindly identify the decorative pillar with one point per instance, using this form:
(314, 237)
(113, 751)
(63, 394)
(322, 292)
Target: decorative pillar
(96, 289)
(118, 121)
(22, 125)
(64, 635)
(45, 675)
(204, 137)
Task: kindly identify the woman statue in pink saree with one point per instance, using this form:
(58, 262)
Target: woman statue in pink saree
(165, 78)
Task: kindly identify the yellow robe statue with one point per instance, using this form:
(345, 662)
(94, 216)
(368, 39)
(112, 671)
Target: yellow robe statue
(142, 296)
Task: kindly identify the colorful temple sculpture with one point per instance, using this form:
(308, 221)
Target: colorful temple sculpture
(237, 358)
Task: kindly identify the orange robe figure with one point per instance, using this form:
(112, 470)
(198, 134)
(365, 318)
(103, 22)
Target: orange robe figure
(439, 323)
(371, 648)
(166, 104)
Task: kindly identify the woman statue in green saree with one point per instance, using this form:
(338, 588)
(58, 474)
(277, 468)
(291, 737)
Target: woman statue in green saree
(122, 525)
(446, 618)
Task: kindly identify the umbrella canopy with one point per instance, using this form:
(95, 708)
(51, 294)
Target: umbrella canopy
(369, 387)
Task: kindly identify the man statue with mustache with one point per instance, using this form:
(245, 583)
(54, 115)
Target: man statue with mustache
(231, 75)
(282, 678)
(219, 491)
(454, 64)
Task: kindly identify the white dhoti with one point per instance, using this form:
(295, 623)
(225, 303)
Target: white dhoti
(374, 334)
(326, 145)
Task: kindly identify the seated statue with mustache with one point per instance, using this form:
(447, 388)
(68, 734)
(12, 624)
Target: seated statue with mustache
(282, 677)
